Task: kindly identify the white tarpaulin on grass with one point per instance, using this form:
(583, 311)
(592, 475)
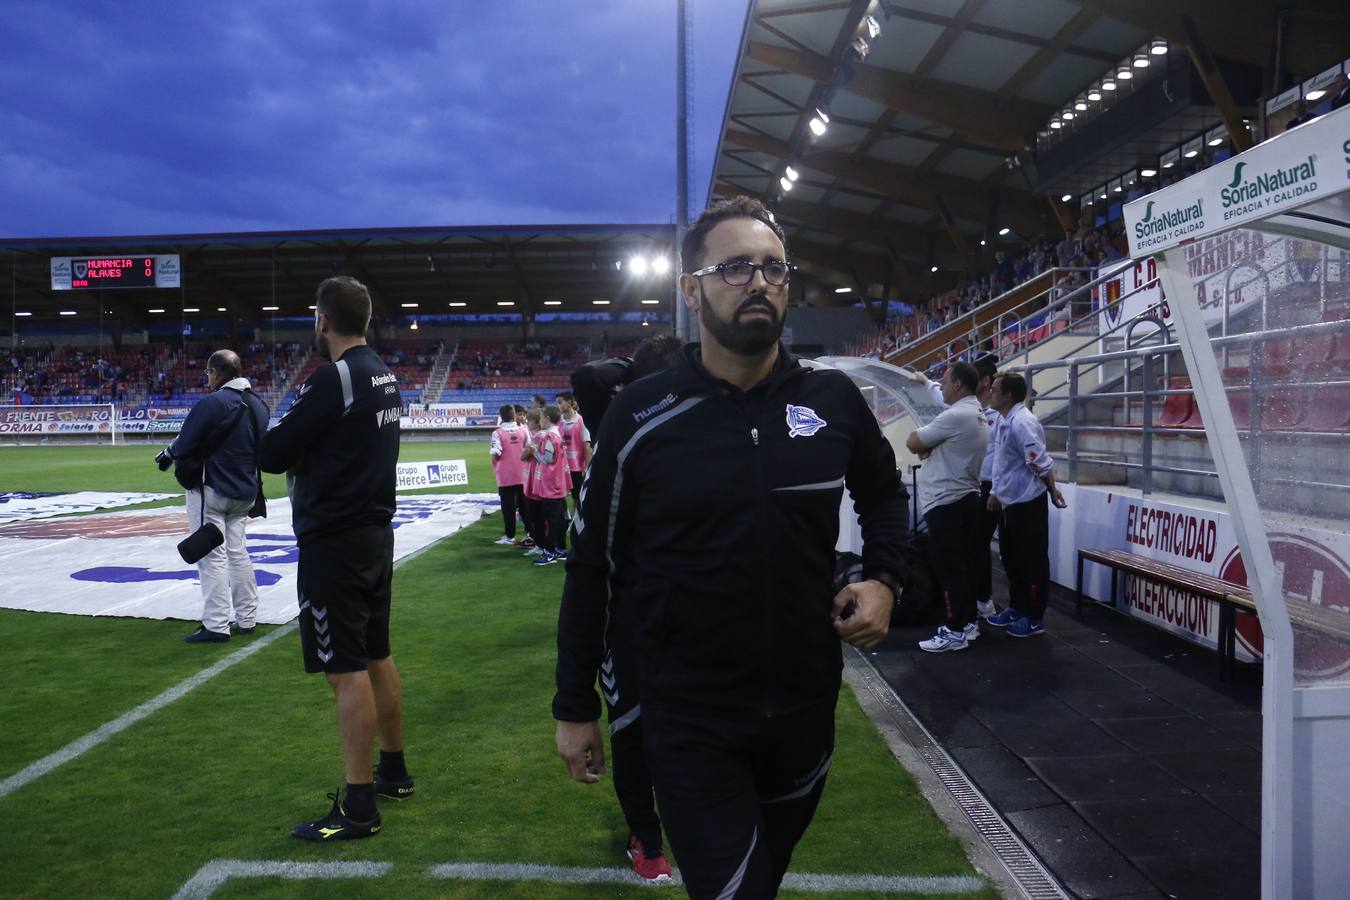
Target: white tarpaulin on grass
(17, 506)
(127, 564)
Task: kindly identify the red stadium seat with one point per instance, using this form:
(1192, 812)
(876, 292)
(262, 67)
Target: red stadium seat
(1283, 410)
(1328, 410)
(1311, 354)
(1177, 408)
(1340, 356)
(1239, 402)
(1277, 355)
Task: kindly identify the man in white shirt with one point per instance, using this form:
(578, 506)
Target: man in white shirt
(1024, 476)
(952, 447)
(986, 364)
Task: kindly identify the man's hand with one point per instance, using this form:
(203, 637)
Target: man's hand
(582, 750)
(993, 505)
(1058, 499)
(862, 613)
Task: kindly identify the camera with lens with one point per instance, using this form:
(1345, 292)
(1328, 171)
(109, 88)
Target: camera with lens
(164, 459)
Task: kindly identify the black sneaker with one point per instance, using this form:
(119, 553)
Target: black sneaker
(394, 788)
(237, 629)
(202, 636)
(337, 825)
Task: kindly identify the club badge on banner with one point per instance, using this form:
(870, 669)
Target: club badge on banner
(126, 564)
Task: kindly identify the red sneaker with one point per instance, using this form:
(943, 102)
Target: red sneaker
(652, 869)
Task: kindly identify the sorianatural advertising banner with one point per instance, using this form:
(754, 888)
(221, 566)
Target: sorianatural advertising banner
(1309, 162)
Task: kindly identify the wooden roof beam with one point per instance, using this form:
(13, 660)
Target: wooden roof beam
(1006, 124)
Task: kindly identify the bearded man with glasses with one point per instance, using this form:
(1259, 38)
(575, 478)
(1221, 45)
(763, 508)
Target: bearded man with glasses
(716, 581)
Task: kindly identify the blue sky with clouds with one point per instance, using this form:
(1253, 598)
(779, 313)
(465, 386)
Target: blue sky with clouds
(175, 117)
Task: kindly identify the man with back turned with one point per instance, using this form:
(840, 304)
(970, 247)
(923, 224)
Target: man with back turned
(338, 446)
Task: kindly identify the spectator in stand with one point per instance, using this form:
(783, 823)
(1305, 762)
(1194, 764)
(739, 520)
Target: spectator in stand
(953, 446)
(508, 443)
(1023, 480)
(549, 482)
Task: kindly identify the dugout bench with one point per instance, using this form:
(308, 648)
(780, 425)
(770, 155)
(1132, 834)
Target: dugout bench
(1229, 596)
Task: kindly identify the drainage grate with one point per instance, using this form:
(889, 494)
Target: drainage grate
(1031, 877)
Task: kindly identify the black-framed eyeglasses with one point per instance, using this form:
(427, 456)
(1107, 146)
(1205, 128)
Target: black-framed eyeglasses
(740, 273)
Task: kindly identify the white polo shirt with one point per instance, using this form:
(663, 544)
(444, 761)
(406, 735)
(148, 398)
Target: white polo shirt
(957, 439)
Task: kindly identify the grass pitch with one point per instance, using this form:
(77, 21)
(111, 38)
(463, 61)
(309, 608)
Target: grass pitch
(227, 770)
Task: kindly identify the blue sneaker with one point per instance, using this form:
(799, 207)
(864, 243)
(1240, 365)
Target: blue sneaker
(544, 559)
(1004, 618)
(1025, 627)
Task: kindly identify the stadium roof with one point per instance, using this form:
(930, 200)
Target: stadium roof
(927, 147)
(537, 268)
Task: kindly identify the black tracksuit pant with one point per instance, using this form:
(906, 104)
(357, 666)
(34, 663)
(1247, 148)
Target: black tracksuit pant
(953, 547)
(1024, 544)
(511, 497)
(627, 758)
(737, 793)
(984, 557)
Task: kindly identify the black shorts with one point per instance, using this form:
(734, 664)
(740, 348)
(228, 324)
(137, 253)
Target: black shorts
(345, 581)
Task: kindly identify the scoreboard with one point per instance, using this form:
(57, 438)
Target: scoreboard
(81, 273)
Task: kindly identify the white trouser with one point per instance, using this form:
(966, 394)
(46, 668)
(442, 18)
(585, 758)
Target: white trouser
(226, 573)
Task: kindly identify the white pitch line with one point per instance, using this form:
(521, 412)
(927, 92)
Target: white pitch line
(797, 881)
(82, 745)
(215, 873)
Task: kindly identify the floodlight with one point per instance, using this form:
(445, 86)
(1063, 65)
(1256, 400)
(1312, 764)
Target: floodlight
(1003, 232)
(843, 290)
(1066, 198)
(1148, 173)
(660, 265)
(1158, 48)
(638, 265)
(785, 183)
(791, 173)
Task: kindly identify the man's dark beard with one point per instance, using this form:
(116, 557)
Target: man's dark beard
(748, 337)
(321, 345)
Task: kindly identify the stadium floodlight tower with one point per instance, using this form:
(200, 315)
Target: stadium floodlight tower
(1278, 216)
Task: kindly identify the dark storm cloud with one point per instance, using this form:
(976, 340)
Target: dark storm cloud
(181, 117)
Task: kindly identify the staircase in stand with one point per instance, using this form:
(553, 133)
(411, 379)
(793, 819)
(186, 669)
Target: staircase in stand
(440, 372)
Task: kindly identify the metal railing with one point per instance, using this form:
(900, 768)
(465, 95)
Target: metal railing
(1154, 365)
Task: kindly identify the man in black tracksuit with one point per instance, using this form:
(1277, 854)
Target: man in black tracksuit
(711, 511)
(338, 445)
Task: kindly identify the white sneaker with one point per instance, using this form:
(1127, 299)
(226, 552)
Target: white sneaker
(944, 640)
(505, 541)
(986, 608)
(972, 630)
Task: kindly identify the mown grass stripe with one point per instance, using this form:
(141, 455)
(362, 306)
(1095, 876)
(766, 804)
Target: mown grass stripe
(82, 745)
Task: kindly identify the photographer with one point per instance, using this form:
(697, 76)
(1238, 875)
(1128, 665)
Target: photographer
(215, 459)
